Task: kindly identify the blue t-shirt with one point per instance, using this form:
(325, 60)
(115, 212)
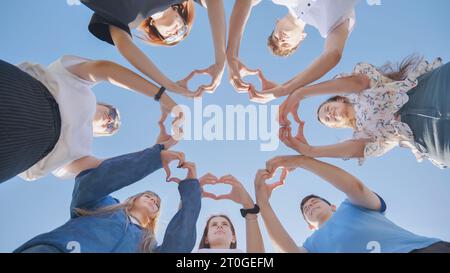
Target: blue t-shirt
(354, 229)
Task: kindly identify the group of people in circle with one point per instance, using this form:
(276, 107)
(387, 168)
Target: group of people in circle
(49, 116)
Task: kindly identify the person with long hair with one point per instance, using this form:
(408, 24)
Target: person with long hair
(407, 106)
(49, 115)
(160, 23)
(219, 234)
(101, 223)
(358, 225)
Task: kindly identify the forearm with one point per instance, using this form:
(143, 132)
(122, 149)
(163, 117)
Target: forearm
(255, 242)
(125, 78)
(180, 234)
(347, 149)
(279, 236)
(356, 191)
(115, 173)
(337, 177)
(238, 20)
(138, 59)
(216, 15)
(314, 72)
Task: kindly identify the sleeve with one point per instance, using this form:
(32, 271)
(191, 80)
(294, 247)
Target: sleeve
(383, 207)
(99, 27)
(92, 186)
(308, 245)
(377, 79)
(180, 235)
(381, 210)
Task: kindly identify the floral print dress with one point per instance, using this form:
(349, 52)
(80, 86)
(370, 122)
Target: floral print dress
(376, 110)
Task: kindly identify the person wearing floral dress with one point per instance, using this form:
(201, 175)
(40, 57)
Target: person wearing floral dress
(386, 107)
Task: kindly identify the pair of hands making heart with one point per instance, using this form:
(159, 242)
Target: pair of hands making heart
(237, 72)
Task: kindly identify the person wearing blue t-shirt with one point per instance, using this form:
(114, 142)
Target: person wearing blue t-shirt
(357, 226)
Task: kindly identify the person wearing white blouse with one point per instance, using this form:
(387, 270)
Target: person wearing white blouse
(49, 115)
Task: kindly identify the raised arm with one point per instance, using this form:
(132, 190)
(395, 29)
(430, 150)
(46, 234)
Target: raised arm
(181, 232)
(138, 59)
(345, 85)
(348, 149)
(113, 174)
(238, 19)
(92, 185)
(279, 236)
(330, 57)
(240, 195)
(355, 190)
(102, 70)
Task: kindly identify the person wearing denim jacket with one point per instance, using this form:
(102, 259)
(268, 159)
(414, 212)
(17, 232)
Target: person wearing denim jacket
(119, 230)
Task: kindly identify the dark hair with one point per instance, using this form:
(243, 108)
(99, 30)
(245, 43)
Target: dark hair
(311, 196)
(203, 243)
(395, 72)
(186, 10)
(279, 51)
(399, 71)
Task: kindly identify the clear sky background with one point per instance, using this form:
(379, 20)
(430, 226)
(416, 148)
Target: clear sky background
(417, 195)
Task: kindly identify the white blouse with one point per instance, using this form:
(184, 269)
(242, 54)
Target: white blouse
(77, 106)
(376, 110)
(324, 15)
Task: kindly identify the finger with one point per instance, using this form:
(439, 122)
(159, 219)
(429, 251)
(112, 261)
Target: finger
(162, 128)
(174, 179)
(245, 71)
(223, 197)
(177, 156)
(228, 176)
(167, 170)
(294, 113)
(276, 185)
(163, 118)
(209, 195)
(284, 174)
(239, 85)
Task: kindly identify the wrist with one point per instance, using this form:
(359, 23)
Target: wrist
(263, 205)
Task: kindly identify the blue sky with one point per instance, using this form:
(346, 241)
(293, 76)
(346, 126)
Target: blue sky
(418, 195)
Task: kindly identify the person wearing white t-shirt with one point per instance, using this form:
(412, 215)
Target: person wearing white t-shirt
(334, 19)
(219, 234)
(49, 115)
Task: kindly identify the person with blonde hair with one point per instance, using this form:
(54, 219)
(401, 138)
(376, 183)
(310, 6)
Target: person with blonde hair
(101, 223)
(160, 23)
(49, 115)
(334, 19)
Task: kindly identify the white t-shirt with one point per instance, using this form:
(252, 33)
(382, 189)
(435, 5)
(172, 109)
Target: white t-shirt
(324, 15)
(221, 250)
(77, 106)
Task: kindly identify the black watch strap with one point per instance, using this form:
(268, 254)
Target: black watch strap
(160, 93)
(254, 210)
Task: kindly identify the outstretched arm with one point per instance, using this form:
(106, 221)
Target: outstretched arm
(348, 149)
(240, 195)
(355, 190)
(138, 59)
(279, 236)
(238, 19)
(102, 70)
(330, 57)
